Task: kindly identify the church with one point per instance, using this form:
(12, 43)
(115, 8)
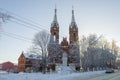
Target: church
(70, 48)
(64, 53)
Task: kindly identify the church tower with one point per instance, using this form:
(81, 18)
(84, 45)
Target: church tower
(73, 30)
(55, 28)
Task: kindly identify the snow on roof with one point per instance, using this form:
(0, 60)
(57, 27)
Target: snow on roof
(32, 56)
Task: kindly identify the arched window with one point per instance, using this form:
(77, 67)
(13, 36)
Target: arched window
(54, 33)
(74, 36)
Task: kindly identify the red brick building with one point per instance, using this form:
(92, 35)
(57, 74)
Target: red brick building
(8, 66)
(27, 61)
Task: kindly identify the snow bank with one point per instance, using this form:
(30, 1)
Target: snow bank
(52, 76)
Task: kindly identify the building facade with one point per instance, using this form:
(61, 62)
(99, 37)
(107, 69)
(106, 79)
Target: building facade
(71, 48)
(8, 66)
(28, 62)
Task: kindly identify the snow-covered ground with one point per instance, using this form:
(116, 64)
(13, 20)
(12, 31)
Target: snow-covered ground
(108, 76)
(48, 76)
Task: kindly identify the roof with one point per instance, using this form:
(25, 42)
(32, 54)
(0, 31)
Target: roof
(32, 56)
(7, 62)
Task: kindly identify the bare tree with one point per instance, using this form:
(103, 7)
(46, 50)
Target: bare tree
(40, 46)
(35, 49)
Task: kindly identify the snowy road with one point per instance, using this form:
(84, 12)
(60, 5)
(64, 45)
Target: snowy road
(95, 75)
(112, 76)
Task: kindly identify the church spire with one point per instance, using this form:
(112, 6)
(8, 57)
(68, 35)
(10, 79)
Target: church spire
(55, 27)
(73, 18)
(55, 16)
(73, 23)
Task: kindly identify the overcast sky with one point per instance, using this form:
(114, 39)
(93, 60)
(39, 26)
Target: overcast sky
(91, 16)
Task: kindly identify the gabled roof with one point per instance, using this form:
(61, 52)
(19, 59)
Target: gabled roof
(31, 56)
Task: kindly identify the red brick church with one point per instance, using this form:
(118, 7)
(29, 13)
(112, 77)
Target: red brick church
(71, 47)
(56, 50)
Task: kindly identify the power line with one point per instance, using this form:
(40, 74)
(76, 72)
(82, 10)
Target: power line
(16, 19)
(24, 20)
(15, 37)
(18, 16)
(24, 25)
(33, 24)
(35, 27)
(18, 35)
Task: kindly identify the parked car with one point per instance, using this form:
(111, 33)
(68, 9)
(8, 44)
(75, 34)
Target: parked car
(109, 71)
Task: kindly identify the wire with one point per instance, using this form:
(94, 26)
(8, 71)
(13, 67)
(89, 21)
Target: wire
(16, 37)
(26, 22)
(24, 25)
(28, 26)
(22, 18)
(23, 21)
(31, 25)
(35, 26)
